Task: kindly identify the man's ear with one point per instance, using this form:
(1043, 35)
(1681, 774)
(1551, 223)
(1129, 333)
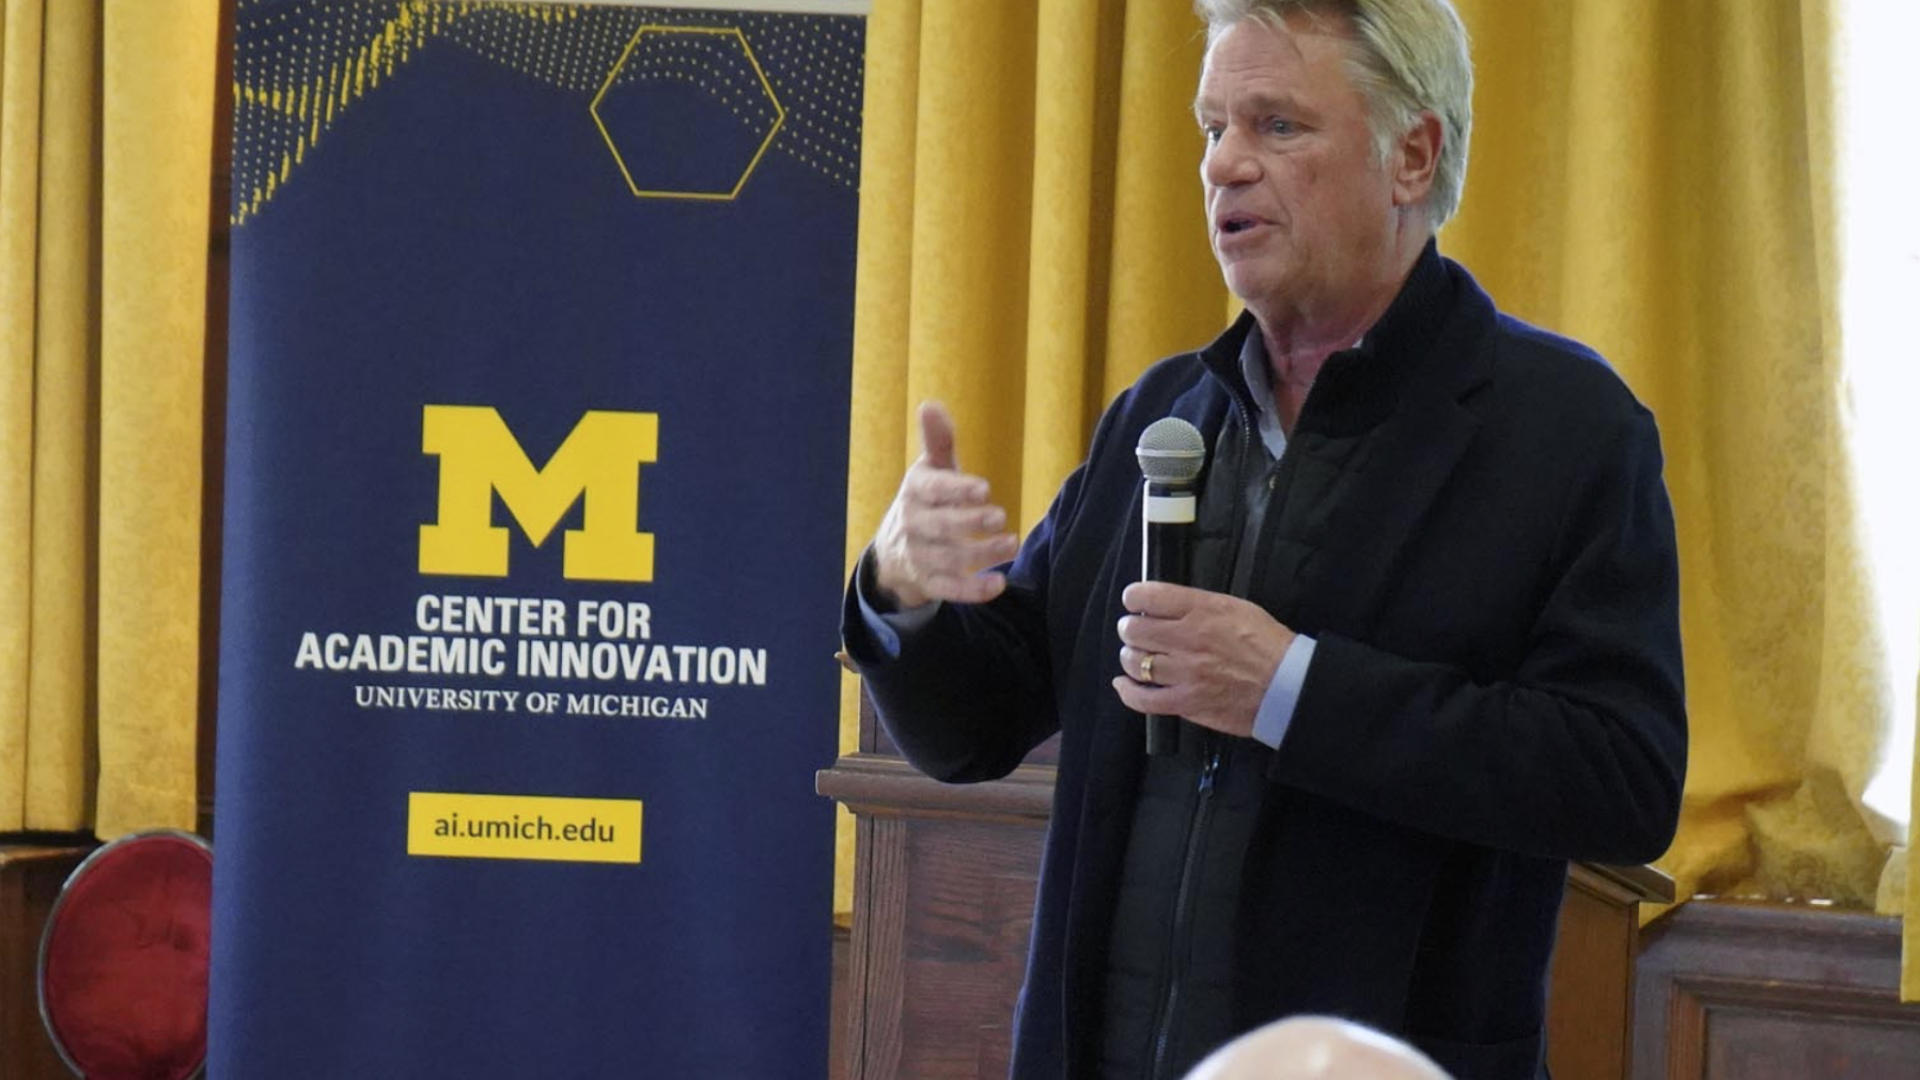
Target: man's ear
(1418, 157)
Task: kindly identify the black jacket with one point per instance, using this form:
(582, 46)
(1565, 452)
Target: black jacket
(1497, 687)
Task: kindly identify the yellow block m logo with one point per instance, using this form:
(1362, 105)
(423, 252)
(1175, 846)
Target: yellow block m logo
(599, 461)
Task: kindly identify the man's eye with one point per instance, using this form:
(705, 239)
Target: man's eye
(1212, 132)
(1281, 127)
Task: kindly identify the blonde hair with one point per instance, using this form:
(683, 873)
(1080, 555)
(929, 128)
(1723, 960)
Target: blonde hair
(1408, 56)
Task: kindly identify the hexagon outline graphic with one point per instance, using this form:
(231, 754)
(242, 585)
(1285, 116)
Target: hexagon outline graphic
(779, 112)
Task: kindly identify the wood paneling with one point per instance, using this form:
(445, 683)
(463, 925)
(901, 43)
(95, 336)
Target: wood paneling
(1590, 1012)
(943, 900)
(30, 880)
(837, 1011)
(1729, 991)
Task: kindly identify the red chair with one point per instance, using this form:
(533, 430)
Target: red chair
(123, 962)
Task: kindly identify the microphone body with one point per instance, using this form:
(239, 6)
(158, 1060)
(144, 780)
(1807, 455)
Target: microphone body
(1167, 513)
(1172, 455)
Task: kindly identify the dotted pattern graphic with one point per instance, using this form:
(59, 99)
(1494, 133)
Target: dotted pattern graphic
(300, 67)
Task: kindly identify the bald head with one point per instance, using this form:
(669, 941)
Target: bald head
(1316, 1048)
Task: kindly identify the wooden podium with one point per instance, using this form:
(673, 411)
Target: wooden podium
(943, 902)
(31, 875)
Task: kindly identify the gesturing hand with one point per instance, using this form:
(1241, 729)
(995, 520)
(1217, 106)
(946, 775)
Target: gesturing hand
(1202, 655)
(941, 529)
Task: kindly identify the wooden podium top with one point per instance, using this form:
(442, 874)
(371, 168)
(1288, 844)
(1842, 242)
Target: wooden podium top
(942, 904)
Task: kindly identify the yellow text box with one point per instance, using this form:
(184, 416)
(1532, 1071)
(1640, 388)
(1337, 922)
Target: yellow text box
(523, 827)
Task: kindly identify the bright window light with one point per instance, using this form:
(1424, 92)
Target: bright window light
(1880, 291)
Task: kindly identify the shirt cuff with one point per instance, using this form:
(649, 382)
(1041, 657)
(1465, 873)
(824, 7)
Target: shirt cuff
(1270, 724)
(888, 627)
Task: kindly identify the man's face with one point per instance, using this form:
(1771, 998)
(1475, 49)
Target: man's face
(1298, 210)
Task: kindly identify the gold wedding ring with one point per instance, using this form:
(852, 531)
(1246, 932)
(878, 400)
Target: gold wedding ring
(1146, 668)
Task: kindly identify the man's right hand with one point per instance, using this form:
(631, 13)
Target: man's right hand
(941, 529)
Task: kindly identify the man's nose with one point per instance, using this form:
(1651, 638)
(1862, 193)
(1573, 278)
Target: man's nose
(1230, 160)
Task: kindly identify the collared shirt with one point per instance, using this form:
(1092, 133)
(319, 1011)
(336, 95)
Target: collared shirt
(1282, 697)
(1275, 716)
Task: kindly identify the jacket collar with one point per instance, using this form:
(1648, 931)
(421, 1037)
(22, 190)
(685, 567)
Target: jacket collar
(1388, 362)
(1408, 378)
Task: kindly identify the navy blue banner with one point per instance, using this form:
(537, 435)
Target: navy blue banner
(541, 334)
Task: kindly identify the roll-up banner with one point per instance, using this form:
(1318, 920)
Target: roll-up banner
(535, 494)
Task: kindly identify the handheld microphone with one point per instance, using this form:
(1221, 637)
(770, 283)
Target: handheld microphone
(1171, 455)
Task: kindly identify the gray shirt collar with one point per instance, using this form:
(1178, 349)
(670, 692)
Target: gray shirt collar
(1253, 368)
(1259, 376)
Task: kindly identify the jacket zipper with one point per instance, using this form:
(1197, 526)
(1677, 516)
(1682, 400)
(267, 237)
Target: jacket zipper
(1182, 913)
(1203, 795)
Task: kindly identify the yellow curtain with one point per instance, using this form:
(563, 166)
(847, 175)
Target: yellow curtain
(1658, 182)
(1652, 179)
(1031, 238)
(1906, 899)
(105, 160)
(48, 307)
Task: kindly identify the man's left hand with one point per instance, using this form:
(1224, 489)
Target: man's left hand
(1205, 656)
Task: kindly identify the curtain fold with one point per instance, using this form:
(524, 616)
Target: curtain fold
(105, 163)
(48, 128)
(60, 744)
(21, 36)
(1907, 901)
(158, 160)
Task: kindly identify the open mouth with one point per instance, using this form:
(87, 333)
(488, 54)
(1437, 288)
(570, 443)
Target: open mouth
(1236, 224)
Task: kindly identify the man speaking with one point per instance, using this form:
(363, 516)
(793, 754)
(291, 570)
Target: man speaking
(1429, 648)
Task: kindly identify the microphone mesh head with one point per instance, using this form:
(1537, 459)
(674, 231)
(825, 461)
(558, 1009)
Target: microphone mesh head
(1171, 451)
